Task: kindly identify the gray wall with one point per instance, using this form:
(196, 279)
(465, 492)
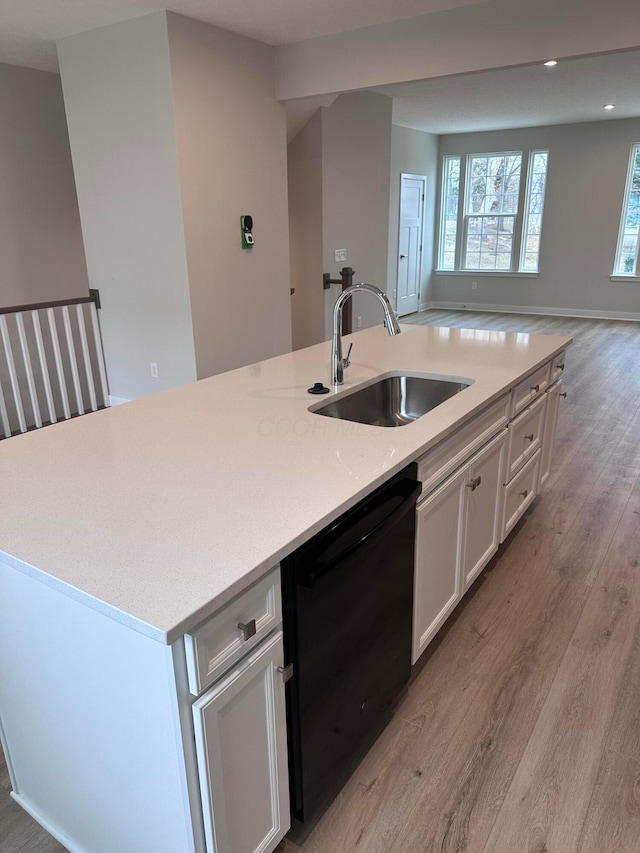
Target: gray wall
(585, 186)
(118, 97)
(305, 233)
(232, 154)
(413, 152)
(339, 167)
(41, 251)
(356, 155)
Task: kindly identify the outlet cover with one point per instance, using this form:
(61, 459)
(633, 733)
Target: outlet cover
(340, 255)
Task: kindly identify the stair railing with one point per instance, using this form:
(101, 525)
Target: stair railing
(51, 363)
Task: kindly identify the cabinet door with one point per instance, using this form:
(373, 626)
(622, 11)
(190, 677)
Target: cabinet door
(484, 504)
(241, 743)
(439, 543)
(549, 436)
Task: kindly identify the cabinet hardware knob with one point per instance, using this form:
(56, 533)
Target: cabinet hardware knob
(402, 257)
(524, 494)
(529, 437)
(561, 367)
(286, 672)
(473, 484)
(535, 388)
(248, 629)
(563, 394)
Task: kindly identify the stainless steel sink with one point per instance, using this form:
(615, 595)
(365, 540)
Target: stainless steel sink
(392, 401)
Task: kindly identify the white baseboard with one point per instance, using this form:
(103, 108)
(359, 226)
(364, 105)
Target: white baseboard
(44, 823)
(533, 309)
(117, 401)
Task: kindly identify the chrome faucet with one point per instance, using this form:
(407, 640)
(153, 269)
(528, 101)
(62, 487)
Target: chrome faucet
(338, 363)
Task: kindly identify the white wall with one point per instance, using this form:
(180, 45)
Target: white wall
(41, 251)
(305, 233)
(232, 154)
(118, 98)
(481, 36)
(585, 186)
(416, 153)
(356, 156)
(339, 199)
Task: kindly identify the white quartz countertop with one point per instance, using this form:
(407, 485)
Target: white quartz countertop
(158, 512)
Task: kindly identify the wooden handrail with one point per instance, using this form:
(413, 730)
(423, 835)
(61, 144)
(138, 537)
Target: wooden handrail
(94, 296)
(346, 280)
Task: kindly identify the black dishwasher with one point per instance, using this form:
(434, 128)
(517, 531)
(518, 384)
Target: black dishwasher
(347, 597)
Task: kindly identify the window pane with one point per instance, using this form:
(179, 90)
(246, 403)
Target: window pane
(449, 215)
(534, 207)
(494, 184)
(489, 242)
(627, 257)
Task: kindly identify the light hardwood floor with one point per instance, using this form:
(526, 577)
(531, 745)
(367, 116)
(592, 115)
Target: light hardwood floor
(521, 734)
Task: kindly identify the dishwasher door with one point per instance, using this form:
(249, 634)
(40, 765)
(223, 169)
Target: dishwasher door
(347, 616)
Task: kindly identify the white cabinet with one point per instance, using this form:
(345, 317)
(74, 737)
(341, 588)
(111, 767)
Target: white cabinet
(439, 543)
(484, 504)
(457, 531)
(520, 493)
(551, 419)
(241, 744)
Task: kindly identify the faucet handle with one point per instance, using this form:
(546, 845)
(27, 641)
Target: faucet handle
(347, 361)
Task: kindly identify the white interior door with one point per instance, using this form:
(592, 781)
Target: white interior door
(412, 192)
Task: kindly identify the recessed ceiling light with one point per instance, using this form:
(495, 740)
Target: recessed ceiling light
(609, 106)
(551, 62)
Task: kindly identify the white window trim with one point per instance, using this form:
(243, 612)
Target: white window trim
(615, 275)
(443, 209)
(525, 213)
(520, 217)
(464, 219)
(491, 273)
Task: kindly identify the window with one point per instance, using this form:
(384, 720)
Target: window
(628, 239)
(497, 226)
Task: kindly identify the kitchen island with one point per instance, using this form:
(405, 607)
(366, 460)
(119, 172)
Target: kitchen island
(125, 532)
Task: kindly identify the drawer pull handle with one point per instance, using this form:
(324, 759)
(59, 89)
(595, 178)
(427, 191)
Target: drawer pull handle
(473, 485)
(286, 672)
(529, 437)
(535, 388)
(248, 629)
(563, 394)
(524, 494)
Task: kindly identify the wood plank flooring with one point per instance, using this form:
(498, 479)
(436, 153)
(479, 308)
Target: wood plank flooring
(521, 734)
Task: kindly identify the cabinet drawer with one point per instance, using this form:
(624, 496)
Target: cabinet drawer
(557, 367)
(456, 449)
(519, 494)
(525, 436)
(524, 393)
(220, 642)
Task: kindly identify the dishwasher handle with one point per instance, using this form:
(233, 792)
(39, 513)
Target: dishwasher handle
(406, 489)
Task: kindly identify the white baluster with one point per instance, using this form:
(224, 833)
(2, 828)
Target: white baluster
(44, 366)
(86, 358)
(58, 359)
(99, 355)
(26, 357)
(4, 331)
(72, 358)
(4, 417)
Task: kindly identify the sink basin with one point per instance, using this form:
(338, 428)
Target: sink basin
(392, 401)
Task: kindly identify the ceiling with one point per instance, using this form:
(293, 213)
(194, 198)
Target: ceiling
(29, 28)
(527, 96)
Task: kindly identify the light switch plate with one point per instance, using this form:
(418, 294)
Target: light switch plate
(340, 255)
